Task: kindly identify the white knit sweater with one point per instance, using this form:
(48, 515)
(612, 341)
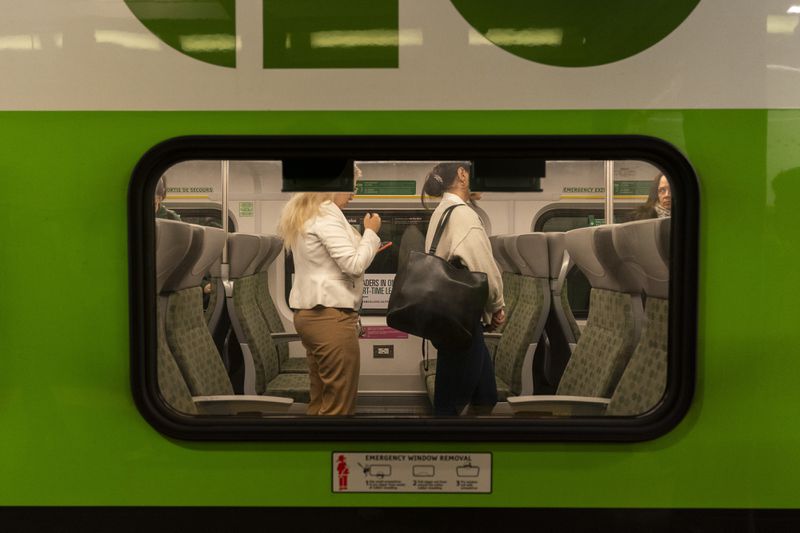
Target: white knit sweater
(465, 238)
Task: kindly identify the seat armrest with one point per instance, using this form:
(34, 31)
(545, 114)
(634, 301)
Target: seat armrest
(555, 405)
(238, 404)
(492, 339)
(284, 338)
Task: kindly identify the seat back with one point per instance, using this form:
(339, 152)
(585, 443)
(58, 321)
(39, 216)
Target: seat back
(273, 245)
(514, 358)
(173, 240)
(216, 300)
(561, 329)
(643, 245)
(615, 314)
(246, 253)
(560, 265)
(187, 333)
(511, 285)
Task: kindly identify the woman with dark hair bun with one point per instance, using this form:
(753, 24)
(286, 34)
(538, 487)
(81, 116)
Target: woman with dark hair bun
(464, 378)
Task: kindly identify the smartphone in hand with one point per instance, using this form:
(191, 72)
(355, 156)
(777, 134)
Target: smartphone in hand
(384, 245)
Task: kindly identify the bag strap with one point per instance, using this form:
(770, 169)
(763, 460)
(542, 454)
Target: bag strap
(440, 228)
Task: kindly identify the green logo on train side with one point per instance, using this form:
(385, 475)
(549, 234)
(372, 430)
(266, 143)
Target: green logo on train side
(297, 33)
(365, 33)
(575, 33)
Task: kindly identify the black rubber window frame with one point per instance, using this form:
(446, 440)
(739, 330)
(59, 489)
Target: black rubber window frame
(682, 310)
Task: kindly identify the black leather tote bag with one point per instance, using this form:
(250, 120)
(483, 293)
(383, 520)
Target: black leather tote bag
(437, 300)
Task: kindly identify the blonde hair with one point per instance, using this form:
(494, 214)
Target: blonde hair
(300, 209)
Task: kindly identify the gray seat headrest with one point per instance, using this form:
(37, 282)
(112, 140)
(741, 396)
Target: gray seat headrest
(175, 282)
(211, 240)
(216, 268)
(271, 246)
(531, 249)
(499, 253)
(173, 240)
(508, 250)
(555, 251)
(243, 250)
(592, 249)
(580, 245)
(637, 243)
(625, 279)
(662, 238)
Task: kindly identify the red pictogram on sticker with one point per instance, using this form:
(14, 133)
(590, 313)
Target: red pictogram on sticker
(342, 471)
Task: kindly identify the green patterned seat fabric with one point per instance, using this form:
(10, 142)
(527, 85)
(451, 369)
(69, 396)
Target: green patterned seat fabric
(503, 390)
(190, 342)
(573, 324)
(265, 358)
(294, 365)
(520, 331)
(645, 378)
(511, 291)
(600, 357)
(170, 381)
(275, 325)
(295, 386)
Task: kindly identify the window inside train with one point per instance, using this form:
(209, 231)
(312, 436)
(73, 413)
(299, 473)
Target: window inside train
(275, 322)
(558, 217)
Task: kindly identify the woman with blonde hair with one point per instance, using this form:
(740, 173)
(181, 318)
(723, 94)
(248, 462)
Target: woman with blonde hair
(330, 258)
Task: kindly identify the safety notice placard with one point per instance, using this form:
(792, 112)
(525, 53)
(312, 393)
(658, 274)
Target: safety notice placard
(412, 472)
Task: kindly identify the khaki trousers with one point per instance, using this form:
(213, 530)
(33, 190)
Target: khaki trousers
(330, 338)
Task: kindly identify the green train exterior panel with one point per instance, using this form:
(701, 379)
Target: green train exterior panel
(69, 423)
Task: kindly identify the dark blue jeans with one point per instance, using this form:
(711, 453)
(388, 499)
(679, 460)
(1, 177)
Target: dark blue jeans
(464, 378)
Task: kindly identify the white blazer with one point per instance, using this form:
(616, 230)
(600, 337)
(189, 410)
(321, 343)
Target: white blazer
(329, 261)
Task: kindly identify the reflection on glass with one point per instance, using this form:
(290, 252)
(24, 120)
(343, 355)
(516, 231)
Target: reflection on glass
(126, 39)
(220, 42)
(20, 42)
(519, 37)
(358, 38)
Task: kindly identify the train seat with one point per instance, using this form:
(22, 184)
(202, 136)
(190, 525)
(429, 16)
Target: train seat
(262, 369)
(551, 356)
(511, 290)
(517, 345)
(216, 315)
(511, 287)
(560, 265)
(187, 332)
(216, 304)
(173, 240)
(187, 358)
(286, 364)
(526, 263)
(615, 315)
(644, 245)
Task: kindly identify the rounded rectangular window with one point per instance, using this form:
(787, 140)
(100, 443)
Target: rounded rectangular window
(271, 323)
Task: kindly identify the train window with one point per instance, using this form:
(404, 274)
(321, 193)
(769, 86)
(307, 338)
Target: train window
(598, 340)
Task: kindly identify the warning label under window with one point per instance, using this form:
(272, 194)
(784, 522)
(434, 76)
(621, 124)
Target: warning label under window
(412, 472)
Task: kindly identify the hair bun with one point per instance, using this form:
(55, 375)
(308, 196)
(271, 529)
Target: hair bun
(434, 185)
